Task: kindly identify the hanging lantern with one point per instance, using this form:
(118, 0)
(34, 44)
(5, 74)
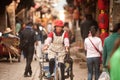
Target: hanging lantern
(103, 20)
(102, 5)
(103, 35)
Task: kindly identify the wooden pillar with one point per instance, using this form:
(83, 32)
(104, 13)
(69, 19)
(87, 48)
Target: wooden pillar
(111, 15)
(2, 19)
(11, 14)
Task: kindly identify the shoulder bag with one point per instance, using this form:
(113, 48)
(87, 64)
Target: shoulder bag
(97, 51)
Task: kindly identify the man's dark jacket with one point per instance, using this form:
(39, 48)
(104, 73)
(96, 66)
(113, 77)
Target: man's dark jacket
(27, 38)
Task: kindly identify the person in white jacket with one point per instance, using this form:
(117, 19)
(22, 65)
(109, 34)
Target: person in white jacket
(92, 55)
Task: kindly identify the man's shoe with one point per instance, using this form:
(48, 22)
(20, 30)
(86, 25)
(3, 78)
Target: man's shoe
(30, 73)
(25, 75)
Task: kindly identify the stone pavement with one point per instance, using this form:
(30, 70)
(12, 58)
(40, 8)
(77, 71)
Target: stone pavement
(15, 70)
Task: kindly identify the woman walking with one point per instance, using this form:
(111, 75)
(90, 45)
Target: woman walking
(93, 56)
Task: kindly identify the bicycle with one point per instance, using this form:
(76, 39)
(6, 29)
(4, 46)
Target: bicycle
(68, 61)
(69, 69)
(45, 69)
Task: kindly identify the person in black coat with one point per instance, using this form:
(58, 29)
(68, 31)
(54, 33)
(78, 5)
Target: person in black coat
(27, 40)
(86, 24)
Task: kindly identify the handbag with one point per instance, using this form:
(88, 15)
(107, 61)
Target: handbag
(97, 51)
(104, 76)
(67, 58)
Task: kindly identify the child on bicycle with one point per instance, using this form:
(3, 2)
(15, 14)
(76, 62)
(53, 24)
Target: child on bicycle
(58, 40)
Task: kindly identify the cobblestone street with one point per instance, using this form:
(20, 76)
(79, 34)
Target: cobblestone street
(59, 27)
(15, 70)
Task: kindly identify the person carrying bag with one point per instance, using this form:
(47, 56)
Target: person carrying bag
(97, 51)
(93, 56)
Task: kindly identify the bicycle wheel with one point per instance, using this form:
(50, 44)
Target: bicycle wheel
(57, 75)
(71, 72)
(71, 75)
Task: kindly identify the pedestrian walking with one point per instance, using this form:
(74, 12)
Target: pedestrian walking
(49, 27)
(8, 33)
(85, 25)
(17, 26)
(115, 61)
(27, 40)
(91, 44)
(39, 39)
(57, 40)
(71, 36)
(23, 26)
(109, 43)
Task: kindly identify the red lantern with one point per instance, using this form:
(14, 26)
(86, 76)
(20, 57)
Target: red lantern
(103, 35)
(103, 20)
(102, 5)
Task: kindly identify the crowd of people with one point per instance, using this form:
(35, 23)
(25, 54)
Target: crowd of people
(34, 38)
(95, 49)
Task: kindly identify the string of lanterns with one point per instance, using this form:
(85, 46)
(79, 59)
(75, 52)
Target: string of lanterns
(103, 19)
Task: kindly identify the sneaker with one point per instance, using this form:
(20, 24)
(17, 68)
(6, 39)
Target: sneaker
(30, 73)
(26, 75)
(65, 73)
(48, 75)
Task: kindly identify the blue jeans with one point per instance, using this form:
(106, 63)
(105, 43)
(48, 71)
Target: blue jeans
(93, 64)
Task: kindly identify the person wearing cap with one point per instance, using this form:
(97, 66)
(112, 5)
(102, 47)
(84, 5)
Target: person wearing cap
(8, 33)
(57, 40)
(109, 43)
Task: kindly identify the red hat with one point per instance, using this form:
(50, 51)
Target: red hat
(59, 23)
